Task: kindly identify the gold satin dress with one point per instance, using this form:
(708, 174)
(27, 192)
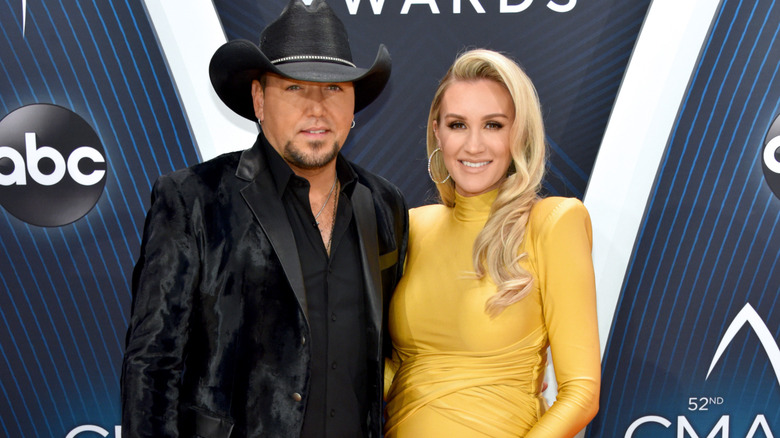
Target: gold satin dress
(458, 373)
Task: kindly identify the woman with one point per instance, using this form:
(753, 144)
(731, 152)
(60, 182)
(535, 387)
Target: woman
(494, 275)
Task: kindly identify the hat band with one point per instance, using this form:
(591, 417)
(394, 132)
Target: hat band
(298, 58)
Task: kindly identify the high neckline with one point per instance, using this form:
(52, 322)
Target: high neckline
(474, 208)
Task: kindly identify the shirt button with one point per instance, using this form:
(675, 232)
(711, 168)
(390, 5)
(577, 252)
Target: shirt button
(297, 397)
(333, 365)
(332, 412)
(332, 316)
(303, 340)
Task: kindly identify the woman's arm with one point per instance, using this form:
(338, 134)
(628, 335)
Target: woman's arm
(567, 283)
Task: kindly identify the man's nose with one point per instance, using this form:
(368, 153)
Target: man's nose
(316, 100)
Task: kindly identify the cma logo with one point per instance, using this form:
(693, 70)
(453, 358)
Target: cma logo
(770, 157)
(746, 316)
(91, 428)
(505, 6)
(52, 165)
(685, 430)
(749, 316)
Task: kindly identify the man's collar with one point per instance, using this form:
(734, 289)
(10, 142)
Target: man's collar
(346, 174)
(280, 170)
(281, 173)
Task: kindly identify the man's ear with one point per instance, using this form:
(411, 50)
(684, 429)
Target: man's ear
(258, 99)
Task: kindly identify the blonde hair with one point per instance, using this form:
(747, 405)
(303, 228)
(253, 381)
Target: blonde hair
(497, 247)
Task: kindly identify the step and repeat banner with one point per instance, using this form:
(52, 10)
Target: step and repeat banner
(693, 350)
(663, 116)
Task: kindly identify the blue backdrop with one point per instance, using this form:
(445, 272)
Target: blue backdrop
(707, 248)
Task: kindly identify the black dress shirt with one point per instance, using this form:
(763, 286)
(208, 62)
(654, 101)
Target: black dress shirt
(337, 401)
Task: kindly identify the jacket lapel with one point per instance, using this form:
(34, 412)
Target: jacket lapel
(365, 217)
(269, 211)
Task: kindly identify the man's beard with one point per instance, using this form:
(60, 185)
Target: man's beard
(301, 160)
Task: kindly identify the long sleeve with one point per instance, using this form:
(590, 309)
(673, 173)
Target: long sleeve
(164, 279)
(568, 290)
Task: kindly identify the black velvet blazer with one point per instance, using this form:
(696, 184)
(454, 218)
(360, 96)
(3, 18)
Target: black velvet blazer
(217, 342)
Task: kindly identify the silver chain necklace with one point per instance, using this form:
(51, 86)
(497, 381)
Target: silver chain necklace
(333, 224)
(316, 216)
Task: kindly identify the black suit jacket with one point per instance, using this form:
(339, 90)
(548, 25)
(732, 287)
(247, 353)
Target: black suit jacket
(217, 342)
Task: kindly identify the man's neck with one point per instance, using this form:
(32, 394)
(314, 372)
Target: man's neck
(320, 179)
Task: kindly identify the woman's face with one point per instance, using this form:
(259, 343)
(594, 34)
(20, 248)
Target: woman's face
(475, 120)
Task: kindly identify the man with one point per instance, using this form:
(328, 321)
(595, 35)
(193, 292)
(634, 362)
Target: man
(261, 291)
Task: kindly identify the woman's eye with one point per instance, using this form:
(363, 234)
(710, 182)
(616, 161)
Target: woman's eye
(494, 125)
(456, 125)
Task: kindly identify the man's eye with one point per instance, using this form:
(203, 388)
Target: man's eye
(294, 87)
(334, 88)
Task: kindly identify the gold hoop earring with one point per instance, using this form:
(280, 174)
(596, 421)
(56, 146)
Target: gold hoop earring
(430, 173)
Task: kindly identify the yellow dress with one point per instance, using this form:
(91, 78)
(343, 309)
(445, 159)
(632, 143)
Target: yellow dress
(458, 373)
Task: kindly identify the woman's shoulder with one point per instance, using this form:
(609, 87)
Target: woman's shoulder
(427, 214)
(545, 206)
(547, 212)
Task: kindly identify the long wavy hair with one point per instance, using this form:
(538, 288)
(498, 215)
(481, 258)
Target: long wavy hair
(497, 247)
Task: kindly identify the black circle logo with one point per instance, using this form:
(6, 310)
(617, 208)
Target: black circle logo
(770, 157)
(52, 165)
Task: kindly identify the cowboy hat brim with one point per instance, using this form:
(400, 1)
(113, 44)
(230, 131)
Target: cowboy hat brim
(237, 63)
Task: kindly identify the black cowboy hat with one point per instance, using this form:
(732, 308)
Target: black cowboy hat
(307, 43)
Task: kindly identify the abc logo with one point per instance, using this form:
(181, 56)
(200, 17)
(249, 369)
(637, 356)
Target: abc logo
(770, 157)
(52, 165)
